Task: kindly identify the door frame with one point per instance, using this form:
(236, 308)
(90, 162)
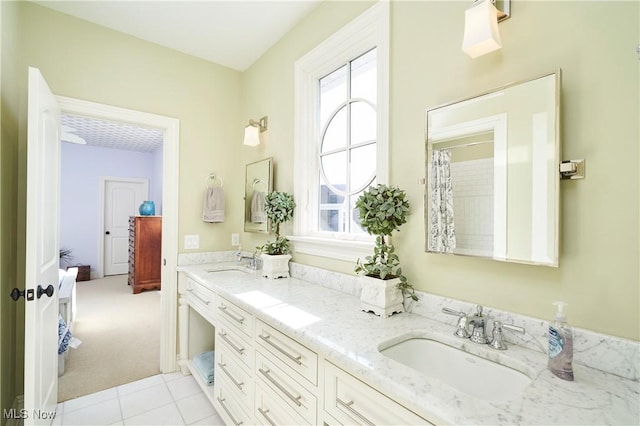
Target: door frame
(170, 160)
(101, 205)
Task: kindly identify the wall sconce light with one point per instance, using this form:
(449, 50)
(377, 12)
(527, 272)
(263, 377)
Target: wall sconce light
(253, 130)
(481, 34)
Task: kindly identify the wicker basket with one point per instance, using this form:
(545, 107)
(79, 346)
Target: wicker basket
(84, 272)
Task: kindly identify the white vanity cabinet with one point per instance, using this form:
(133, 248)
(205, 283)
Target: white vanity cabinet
(196, 316)
(264, 376)
(286, 378)
(234, 385)
(351, 401)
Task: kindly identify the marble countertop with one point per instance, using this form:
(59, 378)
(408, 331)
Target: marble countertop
(330, 322)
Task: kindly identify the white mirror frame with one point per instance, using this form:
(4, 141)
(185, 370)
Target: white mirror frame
(258, 178)
(522, 232)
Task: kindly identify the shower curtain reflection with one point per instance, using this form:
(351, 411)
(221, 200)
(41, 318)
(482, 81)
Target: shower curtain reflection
(443, 234)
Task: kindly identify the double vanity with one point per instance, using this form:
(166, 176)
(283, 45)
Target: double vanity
(300, 351)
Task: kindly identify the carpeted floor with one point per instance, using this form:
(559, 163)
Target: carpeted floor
(120, 334)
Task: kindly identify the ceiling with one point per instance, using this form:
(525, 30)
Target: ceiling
(112, 134)
(232, 33)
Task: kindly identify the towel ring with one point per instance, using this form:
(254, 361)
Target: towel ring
(255, 182)
(211, 179)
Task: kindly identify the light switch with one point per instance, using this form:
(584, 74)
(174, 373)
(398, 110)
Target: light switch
(191, 242)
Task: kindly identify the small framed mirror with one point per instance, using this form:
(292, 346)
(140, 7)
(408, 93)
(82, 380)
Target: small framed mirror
(492, 174)
(258, 183)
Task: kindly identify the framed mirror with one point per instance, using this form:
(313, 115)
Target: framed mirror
(258, 183)
(492, 185)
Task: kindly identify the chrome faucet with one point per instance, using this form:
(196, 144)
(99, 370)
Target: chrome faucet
(497, 342)
(254, 261)
(461, 328)
(478, 324)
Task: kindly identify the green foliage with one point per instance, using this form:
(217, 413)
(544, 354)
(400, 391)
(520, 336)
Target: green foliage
(383, 209)
(279, 246)
(279, 208)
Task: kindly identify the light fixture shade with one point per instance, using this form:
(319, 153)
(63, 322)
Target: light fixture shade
(251, 135)
(481, 34)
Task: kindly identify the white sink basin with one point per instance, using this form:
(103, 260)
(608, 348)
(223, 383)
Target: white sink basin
(466, 372)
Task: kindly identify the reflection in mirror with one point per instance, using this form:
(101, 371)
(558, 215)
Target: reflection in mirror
(258, 183)
(492, 167)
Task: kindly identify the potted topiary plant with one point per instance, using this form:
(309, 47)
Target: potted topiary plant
(382, 209)
(275, 256)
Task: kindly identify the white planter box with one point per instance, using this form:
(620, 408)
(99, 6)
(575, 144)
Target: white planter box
(382, 297)
(275, 266)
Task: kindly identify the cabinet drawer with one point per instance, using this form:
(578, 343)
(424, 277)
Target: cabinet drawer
(301, 359)
(270, 411)
(227, 405)
(288, 389)
(235, 377)
(235, 343)
(235, 316)
(201, 299)
(351, 401)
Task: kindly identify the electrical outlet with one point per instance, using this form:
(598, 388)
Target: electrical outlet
(191, 242)
(235, 240)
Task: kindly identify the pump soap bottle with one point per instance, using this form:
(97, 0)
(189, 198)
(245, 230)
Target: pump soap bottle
(560, 345)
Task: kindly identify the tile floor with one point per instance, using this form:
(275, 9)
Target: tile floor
(164, 399)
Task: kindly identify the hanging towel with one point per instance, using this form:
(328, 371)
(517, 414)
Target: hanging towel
(213, 210)
(258, 214)
(204, 363)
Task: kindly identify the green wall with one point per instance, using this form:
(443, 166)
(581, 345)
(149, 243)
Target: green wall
(85, 61)
(8, 197)
(594, 44)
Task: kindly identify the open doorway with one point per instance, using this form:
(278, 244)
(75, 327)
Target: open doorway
(165, 190)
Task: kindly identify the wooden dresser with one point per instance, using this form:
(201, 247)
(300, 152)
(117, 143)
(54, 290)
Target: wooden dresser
(145, 252)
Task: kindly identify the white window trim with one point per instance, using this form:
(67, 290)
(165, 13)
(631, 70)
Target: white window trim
(369, 30)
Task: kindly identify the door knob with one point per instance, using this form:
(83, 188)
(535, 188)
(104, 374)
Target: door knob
(48, 291)
(107, 232)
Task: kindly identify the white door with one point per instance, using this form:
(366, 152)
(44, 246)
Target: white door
(122, 197)
(42, 245)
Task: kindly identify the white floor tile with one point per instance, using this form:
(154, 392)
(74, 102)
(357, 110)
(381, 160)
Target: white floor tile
(164, 399)
(214, 420)
(57, 420)
(145, 400)
(183, 387)
(102, 413)
(165, 415)
(140, 384)
(88, 400)
(195, 407)
(169, 377)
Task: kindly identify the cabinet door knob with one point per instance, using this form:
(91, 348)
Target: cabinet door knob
(108, 232)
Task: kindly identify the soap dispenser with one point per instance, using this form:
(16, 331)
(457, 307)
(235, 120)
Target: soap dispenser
(560, 345)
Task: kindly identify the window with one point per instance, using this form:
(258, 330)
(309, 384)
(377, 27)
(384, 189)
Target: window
(347, 142)
(341, 135)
